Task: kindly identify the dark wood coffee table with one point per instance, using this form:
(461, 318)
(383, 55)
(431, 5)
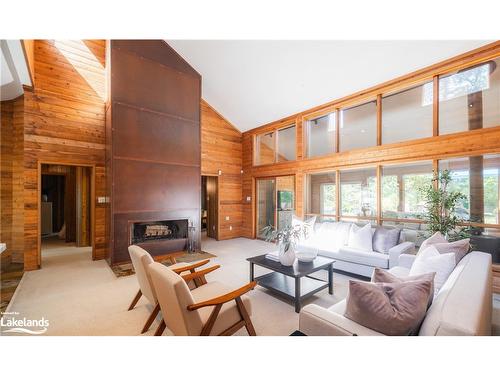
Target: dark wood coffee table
(293, 282)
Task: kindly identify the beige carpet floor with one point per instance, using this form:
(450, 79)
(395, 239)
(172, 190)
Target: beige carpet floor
(83, 297)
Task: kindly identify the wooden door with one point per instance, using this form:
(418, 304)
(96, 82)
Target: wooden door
(212, 205)
(83, 185)
(266, 204)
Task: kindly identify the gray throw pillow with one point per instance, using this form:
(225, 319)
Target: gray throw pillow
(385, 239)
(383, 276)
(394, 309)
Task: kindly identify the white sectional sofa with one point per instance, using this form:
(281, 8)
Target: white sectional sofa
(463, 305)
(330, 239)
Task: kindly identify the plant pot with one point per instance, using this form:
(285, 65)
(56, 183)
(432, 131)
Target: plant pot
(287, 258)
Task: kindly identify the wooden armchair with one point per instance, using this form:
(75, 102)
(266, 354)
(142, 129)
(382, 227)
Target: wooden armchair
(141, 260)
(211, 309)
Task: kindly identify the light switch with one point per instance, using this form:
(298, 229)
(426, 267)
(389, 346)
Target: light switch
(227, 218)
(249, 198)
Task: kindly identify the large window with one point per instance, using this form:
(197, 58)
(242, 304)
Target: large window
(328, 199)
(358, 126)
(321, 194)
(286, 144)
(275, 146)
(478, 178)
(407, 115)
(402, 189)
(470, 98)
(321, 135)
(358, 192)
(265, 149)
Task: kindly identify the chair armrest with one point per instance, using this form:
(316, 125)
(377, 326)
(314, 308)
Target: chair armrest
(224, 298)
(406, 260)
(396, 251)
(200, 273)
(315, 320)
(190, 267)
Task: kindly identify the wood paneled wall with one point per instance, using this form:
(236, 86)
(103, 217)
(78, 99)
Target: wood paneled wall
(64, 124)
(6, 149)
(474, 142)
(12, 180)
(221, 149)
(18, 193)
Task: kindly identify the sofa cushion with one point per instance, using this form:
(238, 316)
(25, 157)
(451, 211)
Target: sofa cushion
(383, 276)
(339, 307)
(332, 235)
(435, 238)
(361, 237)
(430, 260)
(369, 258)
(399, 271)
(394, 309)
(384, 239)
(460, 248)
(307, 226)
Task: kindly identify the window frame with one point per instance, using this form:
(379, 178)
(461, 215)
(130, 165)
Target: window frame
(313, 116)
(377, 100)
(275, 132)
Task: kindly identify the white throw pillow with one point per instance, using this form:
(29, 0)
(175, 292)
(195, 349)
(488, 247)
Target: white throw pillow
(360, 238)
(431, 260)
(308, 223)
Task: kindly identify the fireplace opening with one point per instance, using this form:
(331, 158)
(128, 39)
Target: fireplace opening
(162, 230)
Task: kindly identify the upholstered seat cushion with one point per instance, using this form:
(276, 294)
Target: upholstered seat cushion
(400, 271)
(229, 313)
(339, 307)
(369, 258)
(318, 321)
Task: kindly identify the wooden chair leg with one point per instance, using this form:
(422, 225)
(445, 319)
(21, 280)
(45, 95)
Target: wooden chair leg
(160, 328)
(151, 318)
(245, 316)
(135, 300)
(199, 281)
(207, 328)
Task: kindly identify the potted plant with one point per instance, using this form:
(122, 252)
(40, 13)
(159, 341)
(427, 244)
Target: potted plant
(441, 206)
(286, 238)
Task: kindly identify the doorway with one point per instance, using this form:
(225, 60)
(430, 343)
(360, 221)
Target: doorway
(66, 212)
(275, 202)
(210, 206)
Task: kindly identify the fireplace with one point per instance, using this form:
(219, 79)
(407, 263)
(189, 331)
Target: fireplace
(160, 236)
